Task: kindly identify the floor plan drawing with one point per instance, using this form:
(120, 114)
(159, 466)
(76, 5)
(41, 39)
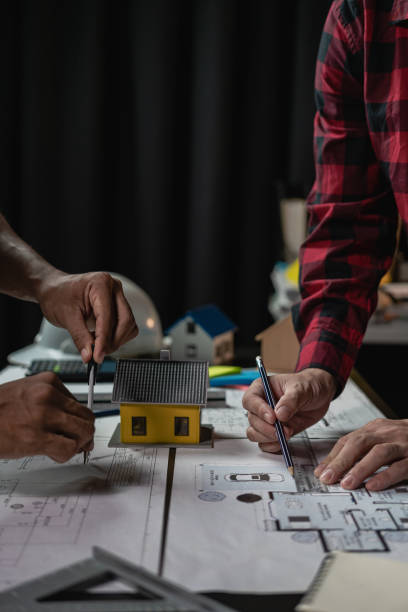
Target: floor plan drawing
(52, 514)
(350, 410)
(227, 416)
(238, 521)
(267, 520)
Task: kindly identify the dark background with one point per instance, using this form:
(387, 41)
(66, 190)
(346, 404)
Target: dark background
(154, 138)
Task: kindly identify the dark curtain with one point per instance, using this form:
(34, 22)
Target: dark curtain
(154, 138)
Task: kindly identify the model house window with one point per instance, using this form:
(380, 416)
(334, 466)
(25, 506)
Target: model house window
(181, 426)
(191, 327)
(138, 426)
(191, 351)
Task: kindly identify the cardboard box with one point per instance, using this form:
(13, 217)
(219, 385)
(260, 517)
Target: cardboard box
(279, 346)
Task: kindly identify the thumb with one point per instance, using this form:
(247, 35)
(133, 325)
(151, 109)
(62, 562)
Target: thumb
(292, 400)
(82, 337)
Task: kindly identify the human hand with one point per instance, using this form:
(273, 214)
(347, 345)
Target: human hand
(356, 456)
(83, 303)
(304, 398)
(39, 416)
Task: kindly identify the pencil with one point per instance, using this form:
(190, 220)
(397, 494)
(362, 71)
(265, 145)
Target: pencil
(279, 430)
(91, 382)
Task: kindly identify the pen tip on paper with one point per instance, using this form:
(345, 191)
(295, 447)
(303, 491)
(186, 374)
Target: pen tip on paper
(291, 470)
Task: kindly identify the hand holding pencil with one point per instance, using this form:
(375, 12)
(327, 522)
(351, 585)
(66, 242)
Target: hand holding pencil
(302, 399)
(279, 430)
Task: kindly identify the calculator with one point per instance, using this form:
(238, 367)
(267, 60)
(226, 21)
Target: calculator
(73, 370)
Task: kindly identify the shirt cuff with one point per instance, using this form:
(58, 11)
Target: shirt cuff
(328, 351)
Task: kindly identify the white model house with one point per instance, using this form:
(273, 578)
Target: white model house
(205, 334)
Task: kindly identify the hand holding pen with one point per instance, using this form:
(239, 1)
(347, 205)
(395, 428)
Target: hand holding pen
(279, 430)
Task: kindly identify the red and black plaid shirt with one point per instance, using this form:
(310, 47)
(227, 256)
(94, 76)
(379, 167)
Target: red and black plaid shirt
(361, 153)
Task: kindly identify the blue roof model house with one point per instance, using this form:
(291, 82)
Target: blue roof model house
(204, 333)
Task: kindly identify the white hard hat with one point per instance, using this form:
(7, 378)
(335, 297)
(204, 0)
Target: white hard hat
(56, 343)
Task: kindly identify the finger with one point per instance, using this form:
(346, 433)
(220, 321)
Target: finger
(392, 475)
(270, 447)
(296, 395)
(88, 447)
(255, 403)
(104, 310)
(79, 410)
(57, 397)
(266, 432)
(356, 446)
(48, 401)
(70, 426)
(264, 429)
(256, 436)
(126, 327)
(59, 448)
(333, 453)
(53, 380)
(51, 393)
(378, 456)
(81, 335)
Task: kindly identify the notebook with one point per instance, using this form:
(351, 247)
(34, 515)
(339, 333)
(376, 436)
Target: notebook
(357, 582)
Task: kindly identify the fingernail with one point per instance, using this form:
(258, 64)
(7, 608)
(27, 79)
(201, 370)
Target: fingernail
(282, 413)
(328, 476)
(319, 470)
(348, 482)
(84, 354)
(268, 417)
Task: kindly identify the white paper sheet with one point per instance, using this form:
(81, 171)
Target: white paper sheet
(52, 514)
(228, 417)
(215, 540)
(351, 410)
(239, 522)
(348, 412)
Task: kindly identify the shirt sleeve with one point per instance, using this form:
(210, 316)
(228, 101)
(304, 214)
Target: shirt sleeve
(351, 208)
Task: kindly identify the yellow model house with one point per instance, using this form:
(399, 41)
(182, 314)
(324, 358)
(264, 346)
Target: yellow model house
(160, 400)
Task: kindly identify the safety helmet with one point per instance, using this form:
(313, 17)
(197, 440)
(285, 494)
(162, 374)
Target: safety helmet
(53, 342)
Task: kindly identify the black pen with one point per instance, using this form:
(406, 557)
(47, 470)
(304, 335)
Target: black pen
(281, 435)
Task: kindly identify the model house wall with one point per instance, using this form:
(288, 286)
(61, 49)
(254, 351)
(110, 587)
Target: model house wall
(159, 423)
(190, 341)
(204, 333)
(279, 346)
(223, 348)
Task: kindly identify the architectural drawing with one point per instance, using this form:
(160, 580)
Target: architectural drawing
(52, 514)
(273, 530)
(256, 528)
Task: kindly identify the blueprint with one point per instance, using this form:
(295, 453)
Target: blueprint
(52, 514)
(227, 415)
(348, 412)
(238, 520)
(260, 530)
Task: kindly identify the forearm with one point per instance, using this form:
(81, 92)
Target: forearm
(23, 272)
(342, 262)
(352, 212)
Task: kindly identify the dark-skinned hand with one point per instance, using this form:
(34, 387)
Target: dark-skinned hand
(39, 416)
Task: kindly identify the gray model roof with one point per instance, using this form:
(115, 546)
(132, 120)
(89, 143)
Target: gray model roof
(160, 381)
